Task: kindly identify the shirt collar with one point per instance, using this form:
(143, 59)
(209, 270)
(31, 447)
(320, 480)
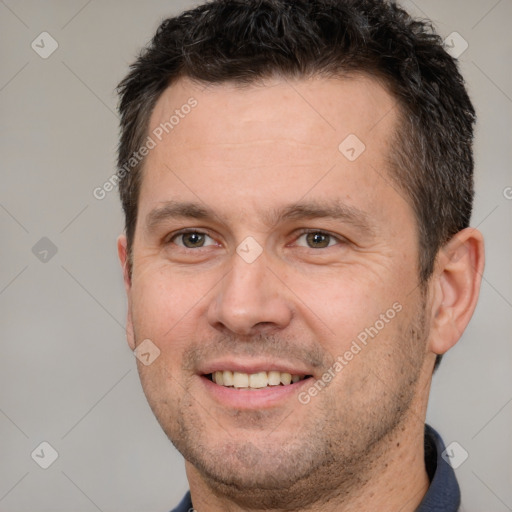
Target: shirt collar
(443, 495)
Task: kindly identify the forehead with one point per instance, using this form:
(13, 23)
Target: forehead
(270, 142)
(314, 110)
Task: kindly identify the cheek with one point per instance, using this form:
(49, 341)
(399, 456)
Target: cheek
(151, 306)
(161, 305)
(345, 301)
(162, 313)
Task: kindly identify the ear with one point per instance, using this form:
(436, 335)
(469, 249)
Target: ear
(124, 259)
(455, 287)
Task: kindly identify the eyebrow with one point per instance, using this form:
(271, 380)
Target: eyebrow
(311, 209)
(175, 210)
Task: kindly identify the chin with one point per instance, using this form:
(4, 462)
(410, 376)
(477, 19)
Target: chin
(247, 462)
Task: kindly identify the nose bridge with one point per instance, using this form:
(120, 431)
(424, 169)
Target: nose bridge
(249, 297)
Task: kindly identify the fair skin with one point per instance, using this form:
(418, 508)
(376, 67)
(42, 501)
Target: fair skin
(244, 154)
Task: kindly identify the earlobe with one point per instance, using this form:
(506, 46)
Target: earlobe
(123, 258)
(130, 336)
(456, 286)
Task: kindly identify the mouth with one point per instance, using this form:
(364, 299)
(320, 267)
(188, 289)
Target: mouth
(254, 384)
(254, 381)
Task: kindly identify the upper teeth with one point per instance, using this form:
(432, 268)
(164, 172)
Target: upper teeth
(254, 380)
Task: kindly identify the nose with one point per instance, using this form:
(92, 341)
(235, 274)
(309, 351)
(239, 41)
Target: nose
(250, 299)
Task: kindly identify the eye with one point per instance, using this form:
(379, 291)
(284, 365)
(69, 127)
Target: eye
(190, 239)
(318, 239)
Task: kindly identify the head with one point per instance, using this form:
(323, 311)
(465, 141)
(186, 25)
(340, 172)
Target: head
(346, 118)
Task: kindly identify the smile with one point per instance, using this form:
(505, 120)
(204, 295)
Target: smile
(259, 380)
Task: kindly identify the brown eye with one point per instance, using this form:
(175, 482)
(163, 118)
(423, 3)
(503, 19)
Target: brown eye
(190, 240)
(318, 240)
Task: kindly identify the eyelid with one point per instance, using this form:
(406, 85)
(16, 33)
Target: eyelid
(169, 239)
(305, 231)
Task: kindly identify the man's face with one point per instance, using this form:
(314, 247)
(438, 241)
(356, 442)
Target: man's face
(248, 290)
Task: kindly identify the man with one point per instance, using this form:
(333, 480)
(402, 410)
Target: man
(296, 178)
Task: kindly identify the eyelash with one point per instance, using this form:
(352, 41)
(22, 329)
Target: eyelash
(186, 232)
(339, 239)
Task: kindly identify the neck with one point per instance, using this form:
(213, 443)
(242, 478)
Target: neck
(396, 480)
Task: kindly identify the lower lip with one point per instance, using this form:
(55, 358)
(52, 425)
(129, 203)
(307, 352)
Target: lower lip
(262, 398)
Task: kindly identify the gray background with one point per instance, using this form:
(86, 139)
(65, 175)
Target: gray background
(67, 375)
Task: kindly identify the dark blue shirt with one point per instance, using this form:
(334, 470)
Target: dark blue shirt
(443, 495)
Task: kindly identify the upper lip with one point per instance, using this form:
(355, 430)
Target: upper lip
(254, 366)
